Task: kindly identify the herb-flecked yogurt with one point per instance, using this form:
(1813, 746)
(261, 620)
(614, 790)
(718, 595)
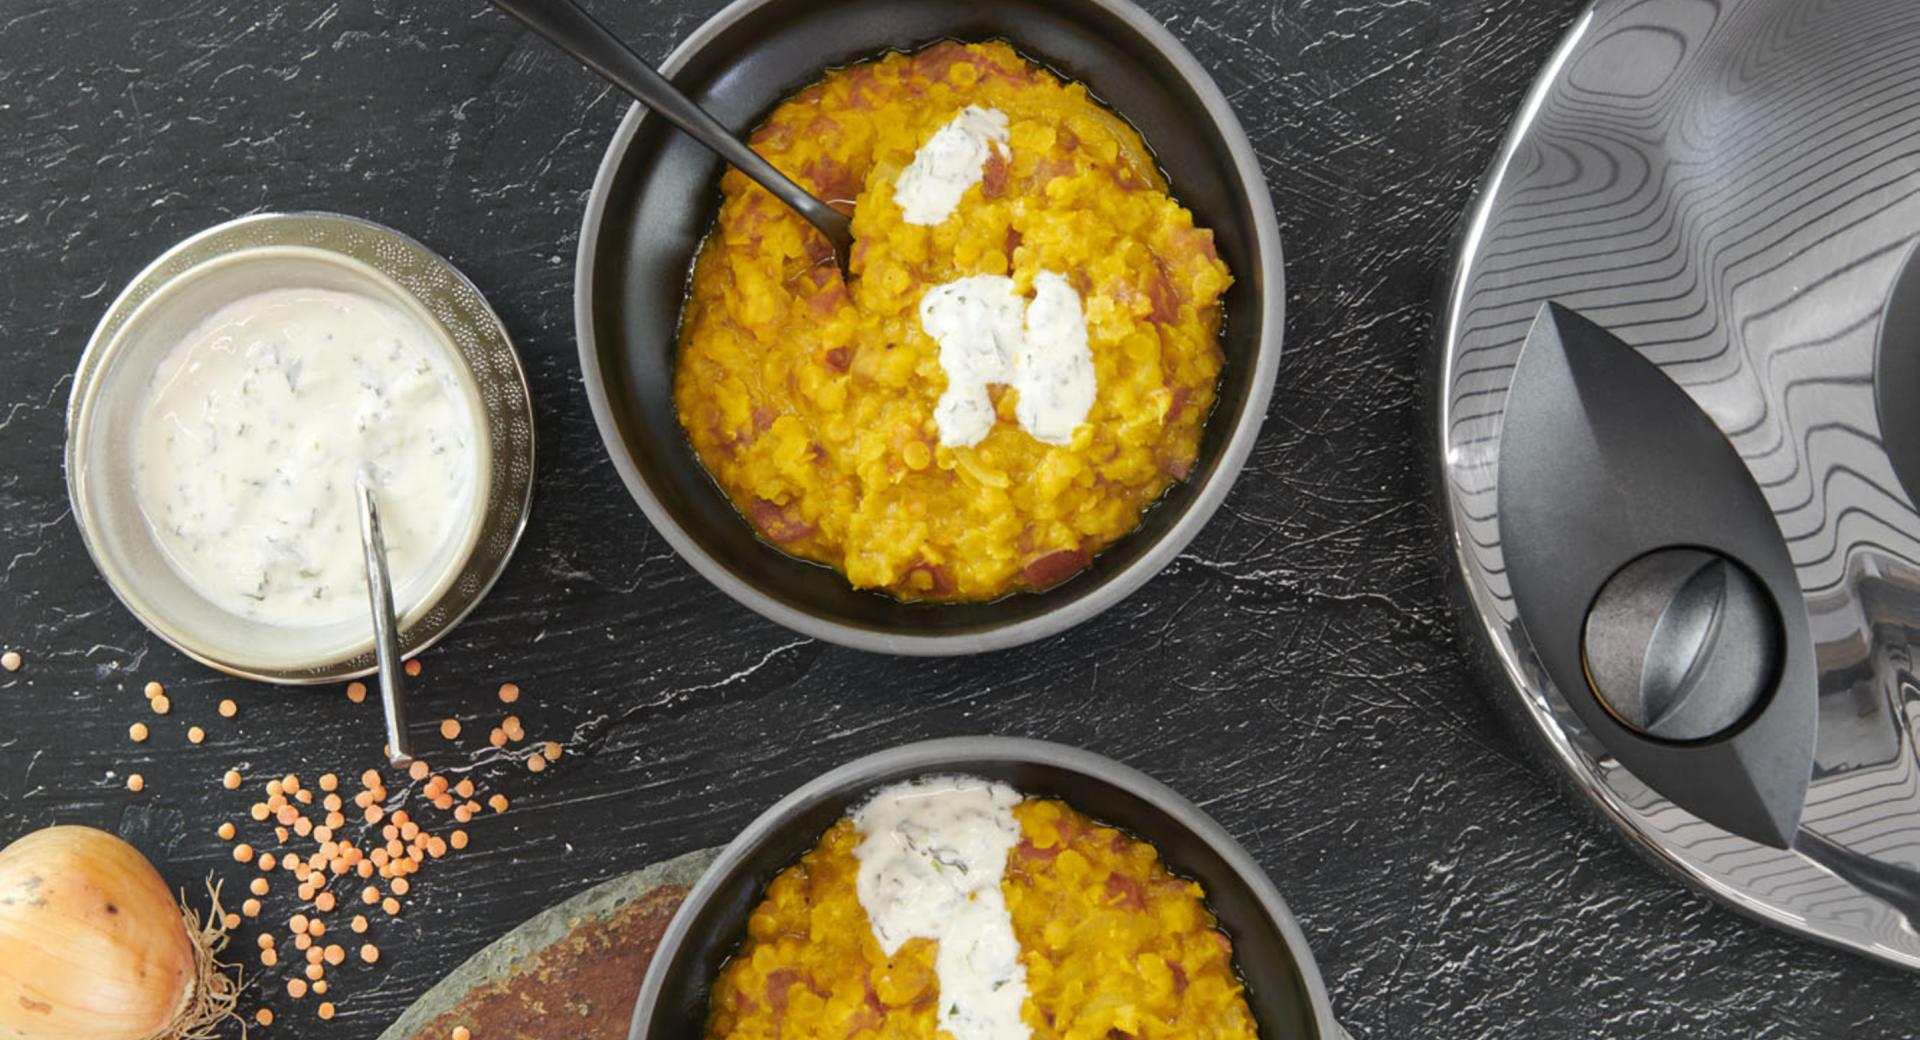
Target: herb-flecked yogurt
(932, 854)
(253, 429)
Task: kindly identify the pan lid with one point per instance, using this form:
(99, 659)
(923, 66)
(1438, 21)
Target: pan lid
(1680, 447)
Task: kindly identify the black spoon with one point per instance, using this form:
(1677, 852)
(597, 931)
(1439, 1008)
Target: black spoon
(569, 27)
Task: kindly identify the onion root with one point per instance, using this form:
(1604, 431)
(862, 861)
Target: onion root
(212, 997)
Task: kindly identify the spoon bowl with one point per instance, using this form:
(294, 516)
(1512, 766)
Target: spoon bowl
(654, 203)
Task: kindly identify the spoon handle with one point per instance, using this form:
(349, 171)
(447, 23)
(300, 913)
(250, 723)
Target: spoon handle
(386, 630)
(568, 26)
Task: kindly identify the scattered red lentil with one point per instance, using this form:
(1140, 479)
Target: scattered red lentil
(391, 849)
(161, 705)
(264, 1016)
(250, 908)
(552, 749)
(356, 692)
(459, 1033)
(136, 783)
(228, 709)
(413, 667)
(153, 689)
(226, 831)
(10, 660)
(137, 731)
(195, 734)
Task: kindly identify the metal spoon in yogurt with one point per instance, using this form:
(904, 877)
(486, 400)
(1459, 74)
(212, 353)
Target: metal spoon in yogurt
(386, 630)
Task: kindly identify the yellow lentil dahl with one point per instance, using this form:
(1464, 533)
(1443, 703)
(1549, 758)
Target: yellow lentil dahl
(811, 400)
(1113, 945)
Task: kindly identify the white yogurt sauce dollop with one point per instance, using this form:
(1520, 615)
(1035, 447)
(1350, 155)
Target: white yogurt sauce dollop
(953, 160)
(932, 854)
(252, 430)
(988, 334)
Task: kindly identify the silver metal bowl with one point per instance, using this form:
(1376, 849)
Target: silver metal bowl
(161, 302)
(1283, 986)
(655, 199)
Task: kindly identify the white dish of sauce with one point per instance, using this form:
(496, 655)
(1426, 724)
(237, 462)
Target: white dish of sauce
(251, 432)
(221, 411)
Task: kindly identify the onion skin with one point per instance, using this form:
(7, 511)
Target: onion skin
(92, 946)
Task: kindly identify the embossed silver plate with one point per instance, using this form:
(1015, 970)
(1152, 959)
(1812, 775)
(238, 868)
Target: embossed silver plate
(357, 253)
(1731, 188)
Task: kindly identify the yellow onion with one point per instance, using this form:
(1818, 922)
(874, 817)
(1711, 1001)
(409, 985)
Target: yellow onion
(93, 946)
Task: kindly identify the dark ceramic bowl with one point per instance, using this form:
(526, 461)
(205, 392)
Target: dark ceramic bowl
(1283, 987)
(656, 196)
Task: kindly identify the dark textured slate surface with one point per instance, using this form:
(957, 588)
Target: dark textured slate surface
(1294, 672)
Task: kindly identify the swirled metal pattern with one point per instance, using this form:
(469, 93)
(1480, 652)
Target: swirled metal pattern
(1732, 187)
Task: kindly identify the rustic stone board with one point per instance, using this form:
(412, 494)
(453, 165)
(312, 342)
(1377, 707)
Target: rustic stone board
(570, 973)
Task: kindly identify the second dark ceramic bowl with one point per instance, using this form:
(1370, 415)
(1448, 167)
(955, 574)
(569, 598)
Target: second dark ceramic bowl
(1283, 986)
(655, 199)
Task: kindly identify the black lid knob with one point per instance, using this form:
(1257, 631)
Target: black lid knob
(1682, 644)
